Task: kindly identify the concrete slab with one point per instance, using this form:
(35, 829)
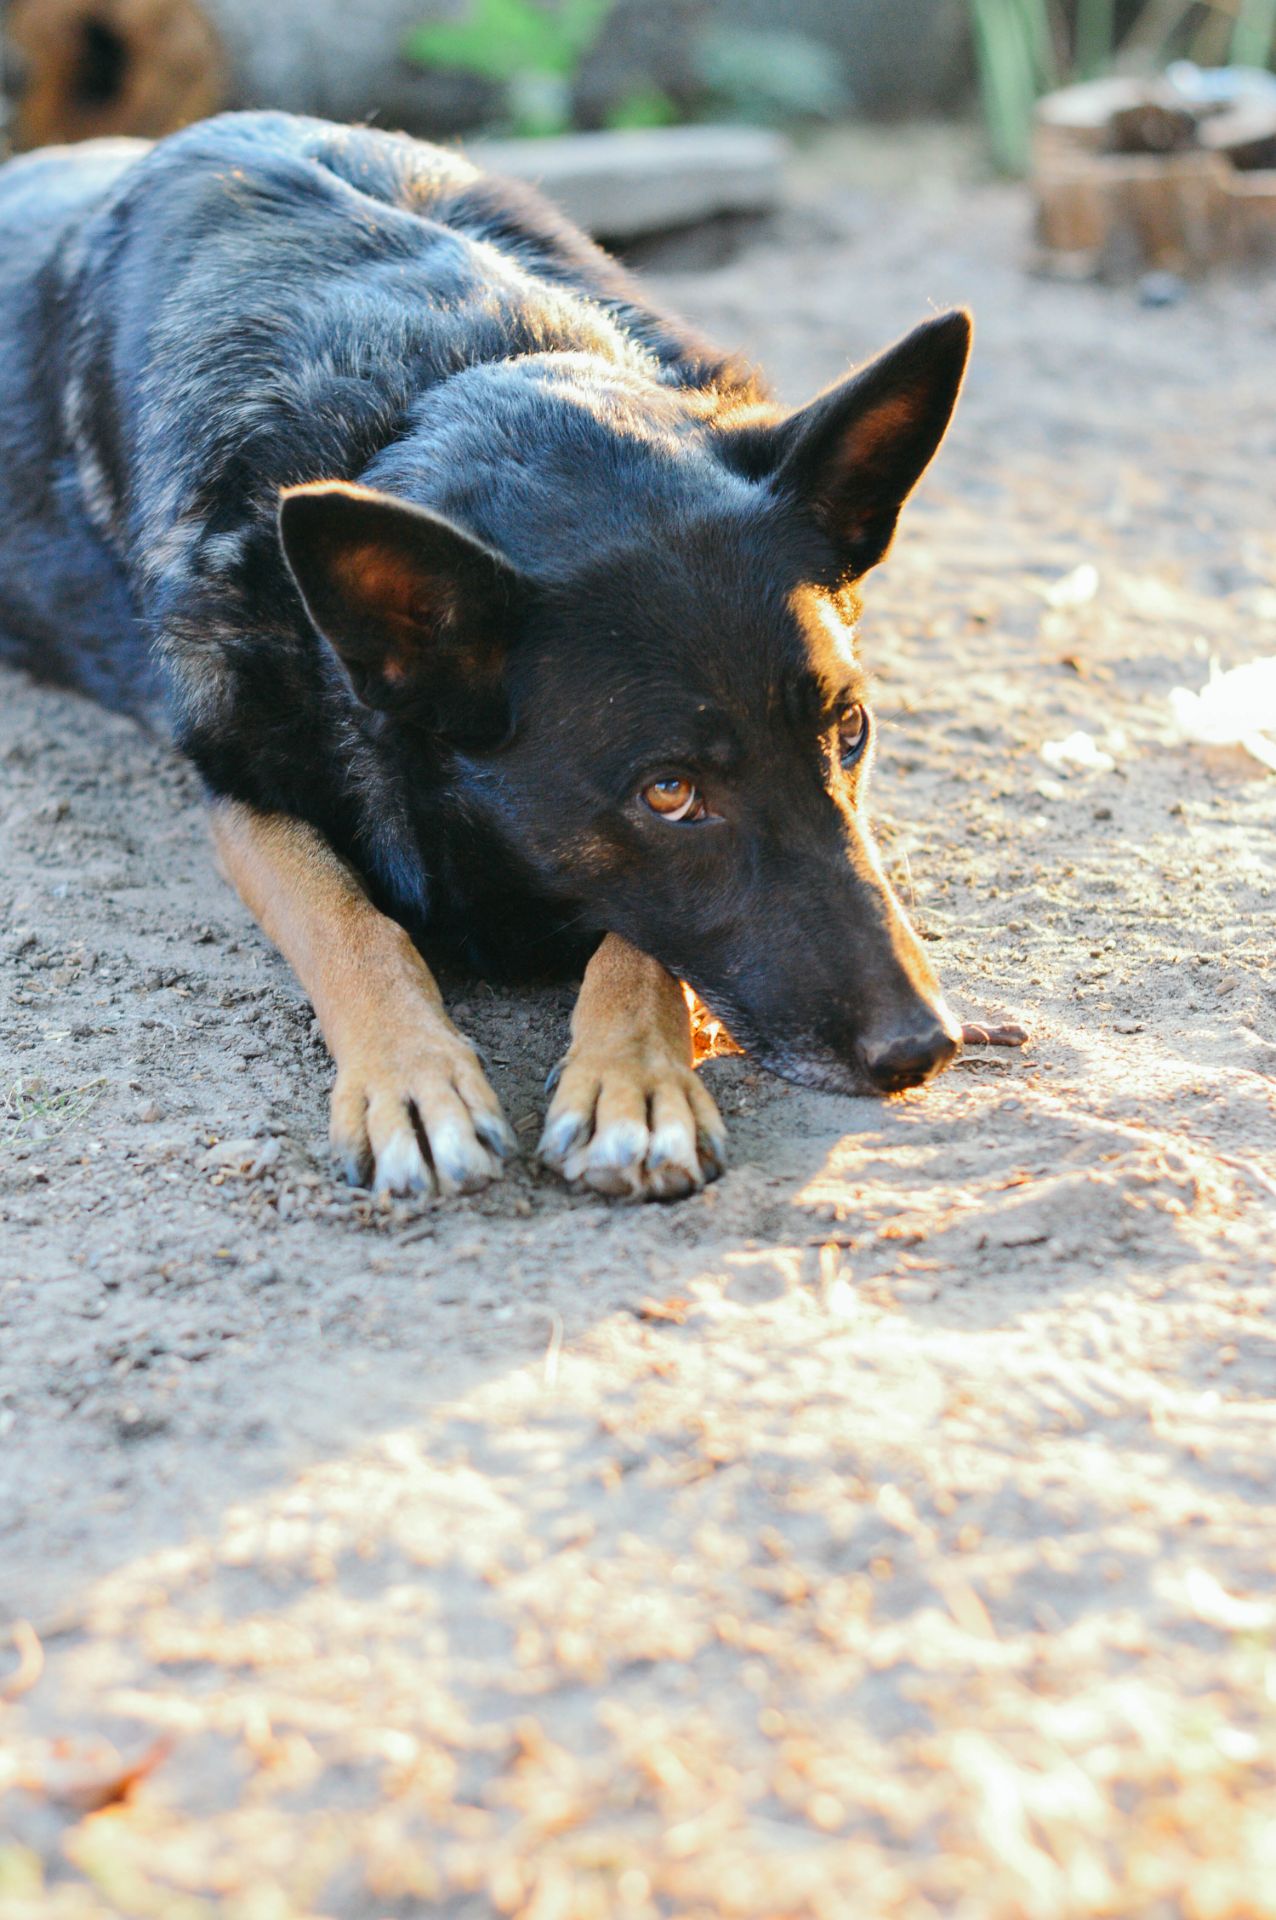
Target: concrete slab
(625, 184)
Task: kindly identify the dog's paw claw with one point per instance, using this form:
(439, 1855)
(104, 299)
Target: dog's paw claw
(494, 1130)
(462, 1164)
(562, 1132)
(621, 1149)
(633, 1129)
(413, 1114)
(401, 1167)
(711, 1144)
(358, 1168)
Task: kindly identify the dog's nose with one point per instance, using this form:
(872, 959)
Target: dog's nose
(909, 1055)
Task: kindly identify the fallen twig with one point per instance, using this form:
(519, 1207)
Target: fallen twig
(1009, 1035)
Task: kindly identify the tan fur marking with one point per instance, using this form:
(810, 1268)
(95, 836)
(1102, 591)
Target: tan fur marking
(357, 967)
(877, 432)
(627, 1000)
(405, 1077)
(629, 1116)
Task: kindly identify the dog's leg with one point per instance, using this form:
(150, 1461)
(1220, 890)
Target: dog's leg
(411, 1108)
(629, 1116)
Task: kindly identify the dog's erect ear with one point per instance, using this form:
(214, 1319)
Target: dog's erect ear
(853, 456)
(420, 613)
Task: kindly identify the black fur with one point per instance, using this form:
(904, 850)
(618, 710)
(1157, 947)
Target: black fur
(573, 551)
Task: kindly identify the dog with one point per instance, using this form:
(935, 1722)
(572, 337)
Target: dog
(507, 622)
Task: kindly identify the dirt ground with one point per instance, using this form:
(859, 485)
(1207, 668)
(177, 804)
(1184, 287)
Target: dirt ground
(888, 1530)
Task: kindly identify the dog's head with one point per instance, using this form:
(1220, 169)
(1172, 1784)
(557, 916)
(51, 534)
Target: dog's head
(671, 730)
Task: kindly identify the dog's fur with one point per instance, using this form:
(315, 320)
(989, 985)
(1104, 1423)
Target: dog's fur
(437, 547)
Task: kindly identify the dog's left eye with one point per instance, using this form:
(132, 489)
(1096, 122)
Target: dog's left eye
(852, 732)
(674, 799)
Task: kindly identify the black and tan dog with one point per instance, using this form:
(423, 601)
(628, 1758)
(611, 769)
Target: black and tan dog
(503, 618)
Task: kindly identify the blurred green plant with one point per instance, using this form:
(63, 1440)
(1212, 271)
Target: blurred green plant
(1015, 59)
(533, 52)
(644, 106)
(1025, 47)
(1254, 35)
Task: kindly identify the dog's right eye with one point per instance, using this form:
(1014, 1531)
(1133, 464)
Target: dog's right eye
(852, 732)
(674, 799)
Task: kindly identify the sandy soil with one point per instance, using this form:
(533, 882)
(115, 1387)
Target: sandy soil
(887, 1530)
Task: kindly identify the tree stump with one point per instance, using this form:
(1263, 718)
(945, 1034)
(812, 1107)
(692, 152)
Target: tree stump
(1127, 177)
(89, 67)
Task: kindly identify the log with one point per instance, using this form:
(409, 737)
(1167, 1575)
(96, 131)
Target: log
(1126, 212)
(92, 67)
(78, 68)
(1252, 217)
(1103, 209)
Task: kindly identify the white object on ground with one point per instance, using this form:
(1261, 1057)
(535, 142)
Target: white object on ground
(1234, 709)
(1078, 750)
(1075, 589)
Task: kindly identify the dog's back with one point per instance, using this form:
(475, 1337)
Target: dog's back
(258, 301)
(65, 608)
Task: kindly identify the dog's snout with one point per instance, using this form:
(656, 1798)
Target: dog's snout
(906, 1056)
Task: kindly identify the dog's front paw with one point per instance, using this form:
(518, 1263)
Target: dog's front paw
(412, 1113)
(638, 1126)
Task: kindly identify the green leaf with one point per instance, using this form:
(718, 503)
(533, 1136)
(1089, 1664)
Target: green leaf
(501, 39)
(643, 107)
(582, 22)
(1011, 42)
(1096, 36)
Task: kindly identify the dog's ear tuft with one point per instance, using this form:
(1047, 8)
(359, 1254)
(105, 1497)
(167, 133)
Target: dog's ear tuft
(853, 456)
(419, 612)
